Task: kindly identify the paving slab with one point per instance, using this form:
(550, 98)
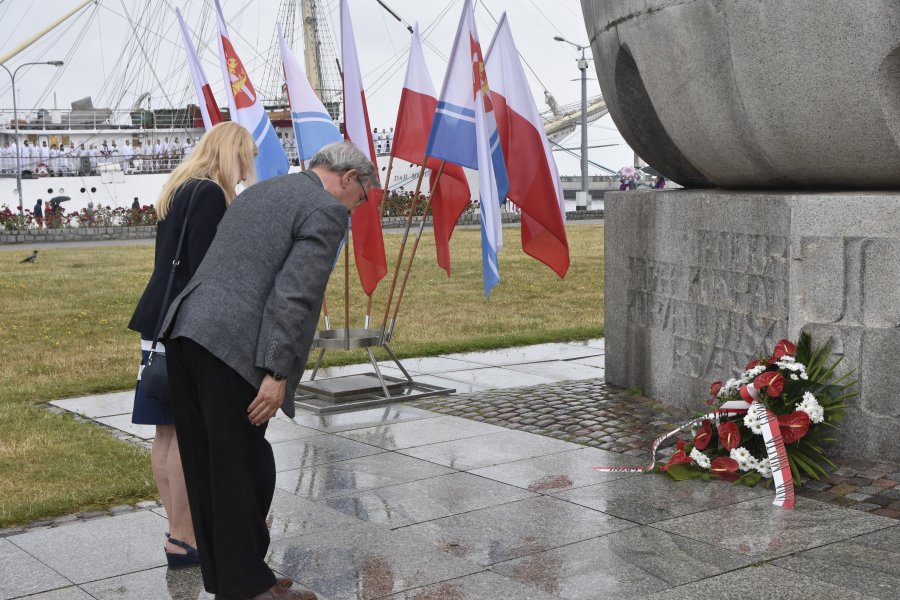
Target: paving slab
(488, 450)
(625, 564)
(364, 562)
(419, 501)
(763, 581)
(461, 387)
(650, 498)
(340, 371)
(69, 593)
(558, 370)
(759, 529)
(598, 361)
(308, 452)
(344, 421)
(596, 343)
(559, 472)
(282, 430)
(434, 364)
(501, 533)
(102, 405)
(421, 433)
(100, 548)
(123, 423)
(869, 563)
(356, 475)
(495, 378)
(291, 515)
(480, 586)
(523, 354)
(23, 574)
(153, 584)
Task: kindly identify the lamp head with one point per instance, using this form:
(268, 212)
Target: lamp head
(55, 63)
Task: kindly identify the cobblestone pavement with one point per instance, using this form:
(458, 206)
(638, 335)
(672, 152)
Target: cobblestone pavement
(595, 414)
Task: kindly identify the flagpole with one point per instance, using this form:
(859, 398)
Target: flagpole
(409, 218)
(387, 183)
(415, 247)
(347, 290)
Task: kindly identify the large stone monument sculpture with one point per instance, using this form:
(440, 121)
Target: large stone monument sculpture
(783, 121)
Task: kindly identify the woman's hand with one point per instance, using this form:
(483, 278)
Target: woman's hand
(268, 400)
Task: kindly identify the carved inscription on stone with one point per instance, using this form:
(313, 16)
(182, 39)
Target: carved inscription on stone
(726, 304)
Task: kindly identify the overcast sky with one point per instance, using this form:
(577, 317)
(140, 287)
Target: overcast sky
(109, 51)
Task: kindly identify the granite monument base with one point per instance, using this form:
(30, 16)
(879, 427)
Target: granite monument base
(698, 282)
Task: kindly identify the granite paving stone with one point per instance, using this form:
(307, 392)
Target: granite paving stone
(766, 581)
(500, 533)
(558, 370)
(427, 499)
(356, 475)
(558, 472)
(343, 421)
(868, 563)
(82, 552)
(759, 529)
(420, 433)
(69, 593)
(102, 405)
(495, 377)
(153, 584)
(535, 353)
(282, 430)
(123, 423)
(480, 586)
(364, 562)
(460, 387)
(307, 452)
(598, 362)
(623, 564)
(22, 574)
(291, 515)
(489, 450)
(651, 498)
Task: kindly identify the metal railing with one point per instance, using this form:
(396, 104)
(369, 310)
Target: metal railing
(102, 118)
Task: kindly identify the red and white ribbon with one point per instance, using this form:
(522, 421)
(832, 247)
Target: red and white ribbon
(777, 454)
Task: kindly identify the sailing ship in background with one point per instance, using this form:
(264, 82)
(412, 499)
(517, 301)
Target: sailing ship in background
(110, 156)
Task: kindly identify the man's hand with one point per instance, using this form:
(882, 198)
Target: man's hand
(267, 402)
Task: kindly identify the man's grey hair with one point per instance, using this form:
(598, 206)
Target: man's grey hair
(343, 156)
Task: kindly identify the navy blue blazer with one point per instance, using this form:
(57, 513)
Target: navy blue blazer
(206, 210)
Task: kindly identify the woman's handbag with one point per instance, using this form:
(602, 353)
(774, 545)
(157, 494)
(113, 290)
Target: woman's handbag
(155, 374)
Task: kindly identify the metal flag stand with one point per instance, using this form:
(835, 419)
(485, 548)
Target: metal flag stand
(367, 389)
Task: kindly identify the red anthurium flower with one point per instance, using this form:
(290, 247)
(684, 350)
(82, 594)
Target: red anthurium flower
(749, 393)
(679, 458)
(729, 435)
(703, 435)
(771, 361)
(784, 348)
(753, 363)
(793, 426)
(773, 381)
(679, 444)
(715, 388)
(724, 468)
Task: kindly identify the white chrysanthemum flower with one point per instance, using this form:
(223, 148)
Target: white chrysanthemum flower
(764, 468)
(804, 376)
(794, 377)
(811, 406)
(809, 397)
(701, 459)
(752, 423)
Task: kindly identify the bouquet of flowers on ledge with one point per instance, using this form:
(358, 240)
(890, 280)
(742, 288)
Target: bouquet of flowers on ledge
(798, 384)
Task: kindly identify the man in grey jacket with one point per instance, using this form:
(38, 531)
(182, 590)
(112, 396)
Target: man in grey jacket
(237, 340)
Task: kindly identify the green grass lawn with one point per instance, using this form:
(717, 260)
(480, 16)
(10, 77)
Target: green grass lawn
(63, 333)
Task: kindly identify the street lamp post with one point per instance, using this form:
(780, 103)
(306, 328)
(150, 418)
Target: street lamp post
(582, 198)
(12, 76)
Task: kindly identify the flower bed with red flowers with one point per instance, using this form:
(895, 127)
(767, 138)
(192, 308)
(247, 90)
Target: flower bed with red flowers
(798, 384)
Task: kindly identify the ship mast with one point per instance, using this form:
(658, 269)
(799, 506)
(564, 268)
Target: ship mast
(311, 44)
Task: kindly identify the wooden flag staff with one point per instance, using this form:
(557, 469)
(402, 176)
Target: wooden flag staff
(387, 184)
(412, 256)
(409, 218)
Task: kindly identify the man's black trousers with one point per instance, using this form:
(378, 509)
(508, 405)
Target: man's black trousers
(229, 469)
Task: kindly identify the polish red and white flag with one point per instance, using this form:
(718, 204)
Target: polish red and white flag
(534, 184)
(418, 102)
(205, 99)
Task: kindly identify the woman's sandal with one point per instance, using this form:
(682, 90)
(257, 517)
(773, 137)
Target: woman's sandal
(181, 561)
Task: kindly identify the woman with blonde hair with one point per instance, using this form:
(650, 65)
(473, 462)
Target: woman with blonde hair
(194, 199)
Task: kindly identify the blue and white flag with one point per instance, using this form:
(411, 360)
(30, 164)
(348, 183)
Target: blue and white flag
(465, 132)
(313, 126)
(246, 108)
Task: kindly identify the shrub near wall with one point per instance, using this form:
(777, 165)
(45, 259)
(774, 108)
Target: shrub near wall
(102, 223)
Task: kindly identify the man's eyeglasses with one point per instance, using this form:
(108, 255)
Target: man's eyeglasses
(365, 195)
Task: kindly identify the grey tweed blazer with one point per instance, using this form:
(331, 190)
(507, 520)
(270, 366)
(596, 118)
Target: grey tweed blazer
(254, 301)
